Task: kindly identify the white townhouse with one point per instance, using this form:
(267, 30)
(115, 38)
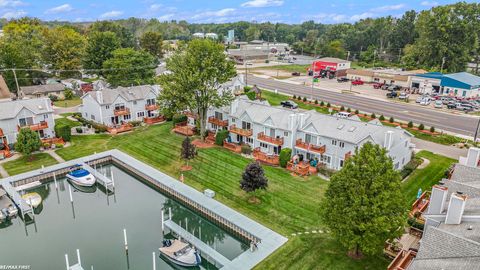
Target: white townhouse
(309, 134)
(112, 107)
(36, 114)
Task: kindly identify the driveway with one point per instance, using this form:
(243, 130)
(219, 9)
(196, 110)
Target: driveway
(444, 150)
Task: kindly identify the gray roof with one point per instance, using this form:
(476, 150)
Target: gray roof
(465, 77)
(108, 96)
(43, 88)
(333, 60)
(10, 109)
(260, 112)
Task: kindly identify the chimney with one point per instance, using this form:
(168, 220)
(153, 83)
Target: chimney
(437, 200)
(301, 119)
(100, 97)
(388, 140)
(473, 157)
(234, 106)
(456, 208)
(292, 121)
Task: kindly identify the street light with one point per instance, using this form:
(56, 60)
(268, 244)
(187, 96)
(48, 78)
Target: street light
(476, 132)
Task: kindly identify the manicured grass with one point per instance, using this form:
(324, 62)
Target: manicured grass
(290, 205)
(289, 68)
(275, 99)
(425, 178)
(68, 103)
(24, 164)
(68, 122)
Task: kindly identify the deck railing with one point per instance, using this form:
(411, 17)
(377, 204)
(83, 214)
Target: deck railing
(241, 131)
(265, 158)
(269, 139)
(153, 120)
(319, 149)
(120, 128)
(218, 122)
(232, 147)
(151, 107)
(302, 168)
(121, 111)
(402, 260)
(36, 127)
(184, 129)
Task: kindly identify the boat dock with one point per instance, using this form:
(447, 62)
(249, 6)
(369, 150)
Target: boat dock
(199, 244)
(17, 198)
(101, 179)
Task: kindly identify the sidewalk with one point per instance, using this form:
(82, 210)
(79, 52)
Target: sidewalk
(444, 150)
(58, 158)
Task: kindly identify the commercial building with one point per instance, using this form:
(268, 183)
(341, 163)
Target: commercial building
(398, 77)
(330, 65)
(462, 84)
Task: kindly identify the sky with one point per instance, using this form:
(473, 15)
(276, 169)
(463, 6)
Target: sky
(213, 11)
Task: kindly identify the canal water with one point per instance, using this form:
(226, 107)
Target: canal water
(95, 225)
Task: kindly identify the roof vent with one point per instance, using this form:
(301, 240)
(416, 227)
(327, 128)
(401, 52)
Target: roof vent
(459, 193)
(341, 127)
(40, 107)
(352, 129)
(470, 228)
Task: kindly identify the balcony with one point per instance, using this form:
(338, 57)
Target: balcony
(36, 127)
(119, 128)
(153, 120)
(419, 206)
(211, 137)
(299, 143)
(53, 141)
(241, 131)
(232, 147)
(262, 157)
(268, 139)
(151, 107)
(402, 260)
(121, 111)
(218, 122)
(184, 129)
(302, 168)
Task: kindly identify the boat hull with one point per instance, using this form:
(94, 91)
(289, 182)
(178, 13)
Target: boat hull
(177, 262)
(84, 181)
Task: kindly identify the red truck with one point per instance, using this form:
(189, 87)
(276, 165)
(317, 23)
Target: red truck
(357, 82)
(378, 85)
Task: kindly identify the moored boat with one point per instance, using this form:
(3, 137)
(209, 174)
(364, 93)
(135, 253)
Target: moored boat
(81, 177)
(180, 253)
(33, 199)
(7, 207)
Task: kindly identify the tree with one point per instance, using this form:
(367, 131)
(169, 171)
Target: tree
(68, 94)
(100, 47)
(123, 34)
(252, 33)
(363, 204)
(152, 42)
(285, 155)
(129, 67)
(194, 83)
(63, 48)
(188, 150)
(28, 141)
(253, 179)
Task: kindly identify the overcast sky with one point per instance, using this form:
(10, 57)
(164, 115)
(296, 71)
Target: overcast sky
(198, 11)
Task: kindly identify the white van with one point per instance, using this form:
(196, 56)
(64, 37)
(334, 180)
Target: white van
(343, 114)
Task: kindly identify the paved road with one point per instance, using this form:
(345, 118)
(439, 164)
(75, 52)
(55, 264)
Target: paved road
(445, 121)
(444, 150)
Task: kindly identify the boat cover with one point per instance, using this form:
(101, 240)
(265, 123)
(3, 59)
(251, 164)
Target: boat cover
(79, 173)
(175, 247)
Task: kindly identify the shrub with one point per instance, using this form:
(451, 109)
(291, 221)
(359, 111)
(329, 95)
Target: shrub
(246, 149)
(325, 171)
(328, 105)
(46, 145)
(285, 155)
(316, 102)
(135, 123)
(28, 141)
(322, 103)
(421, 127)
(294, 97)
(53, 98)
(349, 110)
(63, 131)
(410, 124)
(251, 95)
(221, 136)
(432, 129)
(79, 130)
(179, 119)
(373, 116)
(58, 145)
(391, 120)
(299, 98)
(357, 112)
(342, 108)
(68, 94)
(246, 88)
(381, 118)
(304, 99)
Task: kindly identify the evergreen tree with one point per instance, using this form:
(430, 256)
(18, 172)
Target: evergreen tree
(253, 178)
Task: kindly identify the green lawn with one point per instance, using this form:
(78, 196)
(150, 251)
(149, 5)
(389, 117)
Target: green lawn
(425, 178)
(290, 205)
(289, 68)
(24, 164)
(275, 99)
(68, 122)
(68, 103)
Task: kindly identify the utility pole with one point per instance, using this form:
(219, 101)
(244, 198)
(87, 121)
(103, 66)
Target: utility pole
(476, 131)
(399, 54)
(16, 82)
(374, 54)
(443, 63)
(348, 55)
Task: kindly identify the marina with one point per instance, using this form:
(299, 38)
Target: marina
(147, 207)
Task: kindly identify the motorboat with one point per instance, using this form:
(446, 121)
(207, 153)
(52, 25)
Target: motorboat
(33, 199)
(81, 177)
(180, 253)
(7, 207)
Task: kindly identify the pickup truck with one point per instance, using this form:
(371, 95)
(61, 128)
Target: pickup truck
(289, 104)
(377, 85)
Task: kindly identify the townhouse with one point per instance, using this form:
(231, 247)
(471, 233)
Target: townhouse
(114, 107)
(36, 114)
(311, 135)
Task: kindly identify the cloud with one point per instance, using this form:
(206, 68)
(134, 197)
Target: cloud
(218, 13)
(330, 17)
(155, 7)
(111, 14)
(263, 3)
(14, 14)
(166, 17)
(60, 9)
(11, 3)
(362, 16)
(429, 3)
(388, 8)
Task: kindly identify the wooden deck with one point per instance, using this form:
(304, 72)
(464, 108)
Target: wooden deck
(184, 129)
(318, 149)
(123, 111)
(35, 127)
(241, 131)
(402, 260)
(419, 206)
(153, 120)
(218, 122)
(302, 168)
(119, 129)
(53, 141)
(232, 147)
(268, 139)
(262, 157)
(211, 137)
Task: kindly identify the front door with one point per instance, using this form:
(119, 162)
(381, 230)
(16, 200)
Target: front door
(41, 133)
(115, 120)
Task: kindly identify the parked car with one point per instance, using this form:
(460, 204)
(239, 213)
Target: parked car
(451, 105)
(392, 94)
(419, 99)
(343, 114)
(289, 104)
(393, 88)
(377, 85)
(357, 82)
(426, 101)
(296, 73)
(385, 86)
(403, 96)
(463, 107)
(342, 79)
(438, 104)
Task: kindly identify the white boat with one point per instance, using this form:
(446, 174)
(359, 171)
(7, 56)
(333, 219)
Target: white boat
(7, 207)
(180, 253)
(33, 199)
(81, 177)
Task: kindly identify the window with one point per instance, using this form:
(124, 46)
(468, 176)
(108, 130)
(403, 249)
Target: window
(107, 107)
(285, 134)
(215, 127)
(396, 166)
(92, 117)
(127, 117)
(406, 143)
(403, 161)
(263, 145)
(246, 125)
(151, 101)
(233, 120)
(45, 116)
(134, 102)
(140, 114)
(341, 163)
(310, 139)
(249, 140)
(334, 142)
(326, 159)
(342, 145)
(219, 115)
(25, 121)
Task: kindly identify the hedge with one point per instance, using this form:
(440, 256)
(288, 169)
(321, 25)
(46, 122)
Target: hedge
(221, 136)
(285, 155)
(99, 128)
(179, 119)
(251, 95)
(63, 131)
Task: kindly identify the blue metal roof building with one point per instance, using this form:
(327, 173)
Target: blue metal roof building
(459, 84)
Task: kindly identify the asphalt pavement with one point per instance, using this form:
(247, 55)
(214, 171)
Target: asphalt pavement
(454, 123)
